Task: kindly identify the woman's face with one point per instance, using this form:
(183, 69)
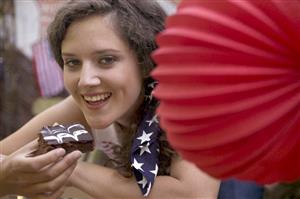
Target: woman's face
(100, 72)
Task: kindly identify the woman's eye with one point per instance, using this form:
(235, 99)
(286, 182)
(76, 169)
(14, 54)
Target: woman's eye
(72, 63)
(108, 60)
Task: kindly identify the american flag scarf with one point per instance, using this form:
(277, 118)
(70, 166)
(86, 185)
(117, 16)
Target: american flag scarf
(145, 148)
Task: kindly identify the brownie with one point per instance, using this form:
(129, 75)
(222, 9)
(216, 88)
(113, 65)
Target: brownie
(70, 137)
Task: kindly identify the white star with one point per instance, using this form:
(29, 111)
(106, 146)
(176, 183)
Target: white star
(155, 170)
(148, 190)
(143, 182)
(145, 148)
(152, 84)
(145, 137)
(149, 97)
(154, 119)
(137, 165)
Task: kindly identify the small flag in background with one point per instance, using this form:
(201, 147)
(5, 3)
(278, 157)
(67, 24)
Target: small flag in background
(48, 73)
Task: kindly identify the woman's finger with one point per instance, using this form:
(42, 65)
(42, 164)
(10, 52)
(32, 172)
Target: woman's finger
(54, 170)
(34, 164)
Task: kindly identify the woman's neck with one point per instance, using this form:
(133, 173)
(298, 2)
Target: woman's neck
(132, 114)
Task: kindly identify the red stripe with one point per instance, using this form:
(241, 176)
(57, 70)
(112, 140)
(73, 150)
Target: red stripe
(48, 73)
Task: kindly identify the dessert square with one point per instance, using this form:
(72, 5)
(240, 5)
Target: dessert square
(70, 137)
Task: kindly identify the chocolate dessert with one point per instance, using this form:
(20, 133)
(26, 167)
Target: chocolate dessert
(70, 137)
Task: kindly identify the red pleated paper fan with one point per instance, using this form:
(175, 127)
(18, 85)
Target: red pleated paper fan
(229, 87)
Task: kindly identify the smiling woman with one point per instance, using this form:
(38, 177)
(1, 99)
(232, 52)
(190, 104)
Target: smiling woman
(104, 48)
(101, 73)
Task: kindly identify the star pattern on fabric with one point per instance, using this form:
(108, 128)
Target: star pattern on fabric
(145, 148)
(148, 189)
(137, 165)
(143, 182)
(153, 120)
(152, 84)
(145, 137)
(155, 171)
(149, 97)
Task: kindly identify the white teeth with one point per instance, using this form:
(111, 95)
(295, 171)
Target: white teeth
(96, 97)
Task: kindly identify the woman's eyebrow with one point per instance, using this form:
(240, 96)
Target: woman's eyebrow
(107, 51)
(67, 54)
(110, 50)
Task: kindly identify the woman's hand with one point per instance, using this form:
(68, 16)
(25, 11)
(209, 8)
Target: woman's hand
(43, 176)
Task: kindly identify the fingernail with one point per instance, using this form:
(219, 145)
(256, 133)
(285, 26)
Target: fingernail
(60, 152)
(77, 154)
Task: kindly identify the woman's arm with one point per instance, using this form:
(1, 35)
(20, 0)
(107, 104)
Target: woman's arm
(63, 112)
(186, 181)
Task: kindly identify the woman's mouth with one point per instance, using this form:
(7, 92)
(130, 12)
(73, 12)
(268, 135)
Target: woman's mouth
(99, 99)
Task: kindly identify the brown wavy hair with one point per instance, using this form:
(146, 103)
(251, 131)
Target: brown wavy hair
(137, 22)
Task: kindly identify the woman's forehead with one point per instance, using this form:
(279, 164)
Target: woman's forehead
(94, 30)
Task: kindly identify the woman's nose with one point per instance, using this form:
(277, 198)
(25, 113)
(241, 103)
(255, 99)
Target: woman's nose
(89, 76)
